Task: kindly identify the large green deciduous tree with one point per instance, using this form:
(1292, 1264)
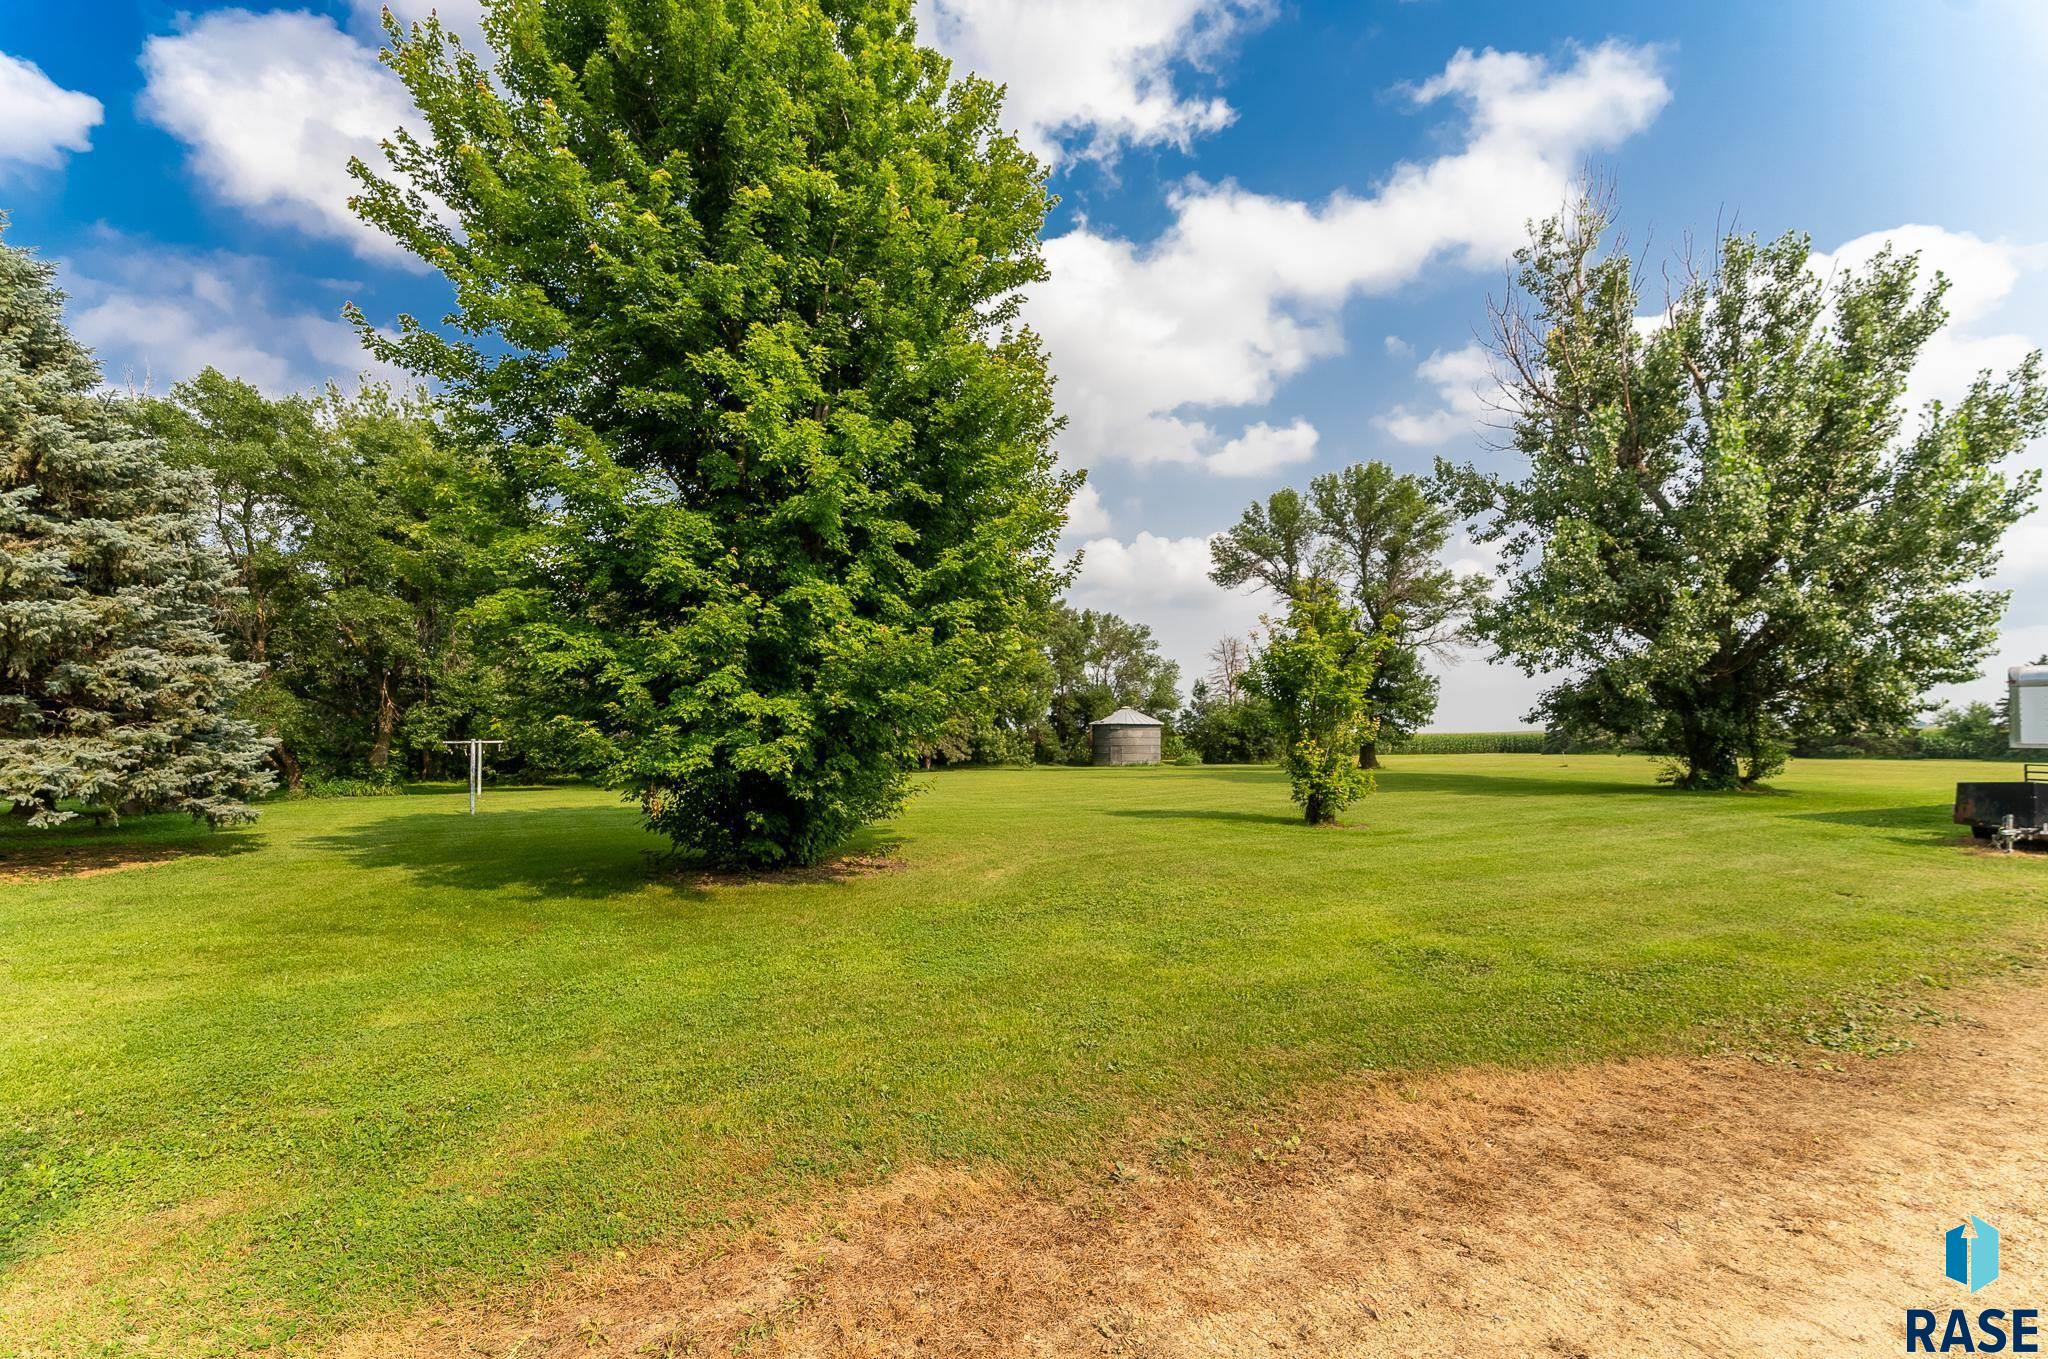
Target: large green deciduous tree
(737, 286)
(1727, 535)
(1276, 544)
(114, 685)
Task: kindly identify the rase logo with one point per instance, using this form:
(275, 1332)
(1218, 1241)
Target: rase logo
(1970, 1257)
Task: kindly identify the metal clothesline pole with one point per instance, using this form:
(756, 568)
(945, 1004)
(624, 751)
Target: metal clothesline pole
(476, 766)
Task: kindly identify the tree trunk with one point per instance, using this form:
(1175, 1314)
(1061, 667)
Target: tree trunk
(1369, 755)
(288, 765)
(1712, 762)
(387, 722)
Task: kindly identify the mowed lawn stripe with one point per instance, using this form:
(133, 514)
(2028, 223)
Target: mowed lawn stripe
(371, 1053)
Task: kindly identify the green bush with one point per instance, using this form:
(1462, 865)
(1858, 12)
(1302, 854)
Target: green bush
(319, 785)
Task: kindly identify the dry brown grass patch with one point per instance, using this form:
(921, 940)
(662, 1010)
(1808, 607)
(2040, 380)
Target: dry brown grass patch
(1713, 1205)
(72, 859)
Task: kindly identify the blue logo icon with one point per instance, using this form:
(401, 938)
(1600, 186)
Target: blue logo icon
(1973, 1253)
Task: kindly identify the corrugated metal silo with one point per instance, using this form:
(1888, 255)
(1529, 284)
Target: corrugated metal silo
(1127, 736)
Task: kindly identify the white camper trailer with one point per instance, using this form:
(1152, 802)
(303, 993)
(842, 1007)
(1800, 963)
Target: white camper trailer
(2029, 706)
(2014, 811)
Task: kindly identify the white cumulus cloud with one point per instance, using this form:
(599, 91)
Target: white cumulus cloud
(40, 120)
(157, 315)
(1147, 570)
(1087, 516)
(1244, 290)
(1163, 582)
(1465, 387)
(1092, 77)
(464, 18)
(1262, 448)
(273, 106)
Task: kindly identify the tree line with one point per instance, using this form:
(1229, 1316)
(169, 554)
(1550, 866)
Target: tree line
(737, 490)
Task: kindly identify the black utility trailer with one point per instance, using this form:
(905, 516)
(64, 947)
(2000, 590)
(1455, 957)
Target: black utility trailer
(2006, 813)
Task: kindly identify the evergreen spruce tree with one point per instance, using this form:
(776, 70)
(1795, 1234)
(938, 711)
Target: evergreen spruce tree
(114, 684)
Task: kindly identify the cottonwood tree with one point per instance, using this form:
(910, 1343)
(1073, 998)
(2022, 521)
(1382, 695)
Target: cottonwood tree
(737, 286)
(1385, 532)
(1727, 534)
(1379, 535)
(115, 687)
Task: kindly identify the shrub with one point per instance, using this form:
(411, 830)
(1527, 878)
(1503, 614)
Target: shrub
(332, 785)
(1316, 676)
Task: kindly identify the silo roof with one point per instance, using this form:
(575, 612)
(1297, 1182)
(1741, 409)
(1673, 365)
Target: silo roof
(1128, 717)
(2028, 675)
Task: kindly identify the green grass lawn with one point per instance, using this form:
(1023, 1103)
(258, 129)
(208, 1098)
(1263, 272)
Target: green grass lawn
(371, 1054)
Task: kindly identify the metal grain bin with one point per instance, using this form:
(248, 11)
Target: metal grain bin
(1127, 736)
(2029, 706)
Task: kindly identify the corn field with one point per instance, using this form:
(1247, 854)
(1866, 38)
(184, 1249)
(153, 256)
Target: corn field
(1467, 743)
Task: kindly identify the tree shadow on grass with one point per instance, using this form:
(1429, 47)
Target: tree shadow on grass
(1924, 825)
(1407, 778)
(94, 852)
(583, 853)
(554, 852)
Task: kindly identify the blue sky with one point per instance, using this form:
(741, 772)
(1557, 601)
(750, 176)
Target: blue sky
(1279, 226)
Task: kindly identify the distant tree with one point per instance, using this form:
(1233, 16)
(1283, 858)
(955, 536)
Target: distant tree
(738, 289)
(1229, 657)
(1728, 545)
(1971, 732)
(1277, 544)
(361, 536)
(1101, 662)
(1386, 531)
(1316, 674)
(115, 686)
(264, 462)
(1239, 731)
(1378, 534)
